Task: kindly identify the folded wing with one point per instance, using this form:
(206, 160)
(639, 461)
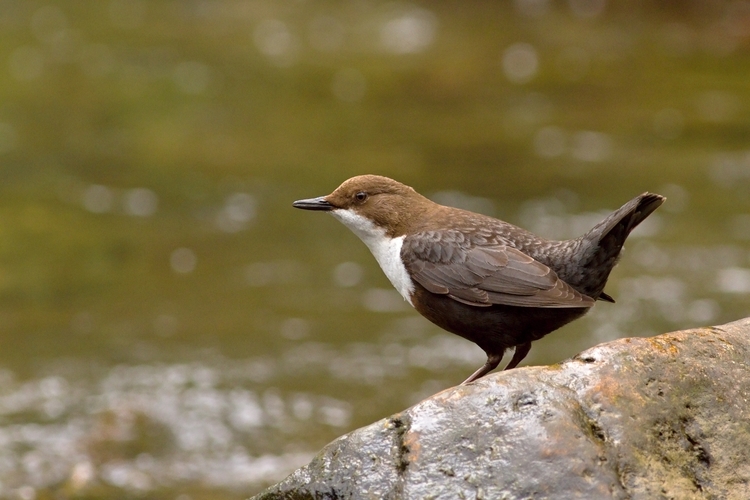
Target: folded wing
(485, 273)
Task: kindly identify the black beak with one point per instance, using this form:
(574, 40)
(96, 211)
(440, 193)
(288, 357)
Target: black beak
(318, 203)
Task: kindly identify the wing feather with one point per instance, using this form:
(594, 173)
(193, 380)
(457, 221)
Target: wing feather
(484, 272)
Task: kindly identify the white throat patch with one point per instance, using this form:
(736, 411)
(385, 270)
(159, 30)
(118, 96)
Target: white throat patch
(387, 250)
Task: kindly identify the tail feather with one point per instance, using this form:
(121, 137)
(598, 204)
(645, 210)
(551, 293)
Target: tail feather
(604, 242)
(621, 222)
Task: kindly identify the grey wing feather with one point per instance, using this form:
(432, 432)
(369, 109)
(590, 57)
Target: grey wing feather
(483, 275)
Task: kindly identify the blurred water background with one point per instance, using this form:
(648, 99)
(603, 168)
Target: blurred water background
(170, 328)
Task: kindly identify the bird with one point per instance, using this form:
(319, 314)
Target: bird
(488, 281)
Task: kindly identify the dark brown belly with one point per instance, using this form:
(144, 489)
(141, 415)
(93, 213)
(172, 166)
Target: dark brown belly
(493, 328)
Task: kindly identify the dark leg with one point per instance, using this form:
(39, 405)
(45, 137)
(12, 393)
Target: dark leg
(492, 361)
(518, 354)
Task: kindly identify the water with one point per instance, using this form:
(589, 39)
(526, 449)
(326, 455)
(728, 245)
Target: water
(172, 328)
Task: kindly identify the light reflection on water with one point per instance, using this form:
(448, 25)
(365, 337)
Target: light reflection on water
(139, 427)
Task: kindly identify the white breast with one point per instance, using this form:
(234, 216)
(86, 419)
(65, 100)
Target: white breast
(387, 250)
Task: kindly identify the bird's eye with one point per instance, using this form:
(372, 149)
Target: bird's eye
(361, 196)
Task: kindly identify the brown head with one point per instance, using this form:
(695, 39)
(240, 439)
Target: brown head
(388, 204)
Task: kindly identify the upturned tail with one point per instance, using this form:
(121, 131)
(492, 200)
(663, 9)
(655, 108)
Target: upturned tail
(602, 245)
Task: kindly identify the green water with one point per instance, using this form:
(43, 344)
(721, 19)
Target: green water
(171, 328)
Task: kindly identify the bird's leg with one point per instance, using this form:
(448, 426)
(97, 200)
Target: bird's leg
(518, 354)
(492, 361)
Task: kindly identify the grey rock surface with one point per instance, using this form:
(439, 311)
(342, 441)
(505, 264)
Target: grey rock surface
(639, 418)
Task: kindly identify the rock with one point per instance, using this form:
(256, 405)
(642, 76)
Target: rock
(639, 418)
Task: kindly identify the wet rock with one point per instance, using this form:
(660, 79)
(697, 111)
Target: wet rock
(640, 418)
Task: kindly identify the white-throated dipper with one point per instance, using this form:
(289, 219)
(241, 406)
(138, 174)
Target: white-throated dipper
(488, 281)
